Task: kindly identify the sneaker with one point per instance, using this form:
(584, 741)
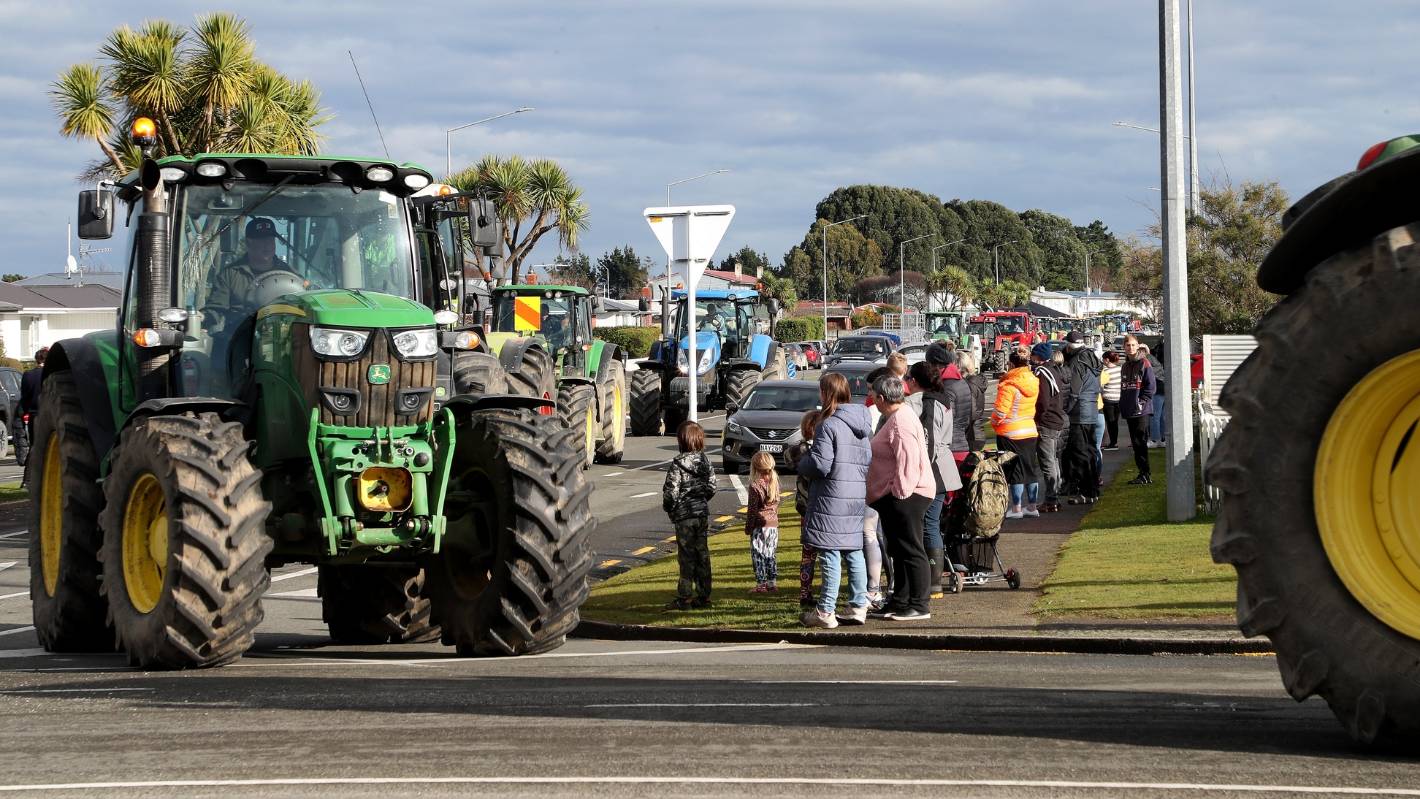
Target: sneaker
(1030, 512)
(772, 588)
(678, 604)
(910, 615)
(1015, 514)
(875, 601)
(759, 589)
(1111, 447)
(885, 612)
(817, 618)
(700, 603)
(1142, 480)
(853, 616)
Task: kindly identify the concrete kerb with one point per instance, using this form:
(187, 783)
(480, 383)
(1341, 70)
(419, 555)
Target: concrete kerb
(1079, 645)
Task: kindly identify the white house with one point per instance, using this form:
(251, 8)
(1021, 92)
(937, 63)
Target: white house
(37, 314)
(1085, 303)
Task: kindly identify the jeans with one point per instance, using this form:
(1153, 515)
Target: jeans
(1029, 493)
(932, 522)
(902, 528)
(1156, 422)
(1049, 451)
(829, 574)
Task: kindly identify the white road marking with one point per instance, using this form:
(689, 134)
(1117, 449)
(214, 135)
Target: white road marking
(7, 564)
(741, 492)
(22, 653)
(265, 659)
(15, 534)
(67, 690)
(12, 596)
(643, 496)
(293, 575)
(612, 474)
(853, 682)
(651, 465)
(709, 704)
(301, 593)
(884, 782)
(17, 630)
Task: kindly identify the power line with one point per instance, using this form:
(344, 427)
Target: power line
(368, 103)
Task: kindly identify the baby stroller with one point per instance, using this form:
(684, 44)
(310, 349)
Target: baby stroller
(974, 524)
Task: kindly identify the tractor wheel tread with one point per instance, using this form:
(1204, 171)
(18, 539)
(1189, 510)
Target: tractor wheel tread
(612, 445)
(646, 402)
(477, 373)
(375, 604)
(535, 377)
(739, 384)
(574, 402)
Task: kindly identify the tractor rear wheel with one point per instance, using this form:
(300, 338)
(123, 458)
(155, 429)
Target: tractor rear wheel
(1318, 468)
(478, 373)
(577, 408)
(185, 542)
(535, 377)
(512, 571)
(739, 384)
(645, 402)
(376, 604)
(65, 501)
(612, 392)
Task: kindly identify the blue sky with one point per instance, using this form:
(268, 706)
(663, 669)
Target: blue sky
(1004, 100)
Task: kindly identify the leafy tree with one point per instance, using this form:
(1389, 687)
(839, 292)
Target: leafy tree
(851, 257)
(781, 289)
(623, 272)
(894, 215)
(988, 224)
(750, 261)
(204, 88)
(957, 282)
(574, 271)
(1106, 255)
(11, 277)
(534, 198)
(1063, 255)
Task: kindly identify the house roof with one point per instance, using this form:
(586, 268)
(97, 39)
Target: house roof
(89, 295)
(113, 280)
(731, 277)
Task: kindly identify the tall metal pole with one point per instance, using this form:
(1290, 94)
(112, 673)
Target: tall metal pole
(449, 153)
(996, 258)
(1192, 123)
(1179, 452)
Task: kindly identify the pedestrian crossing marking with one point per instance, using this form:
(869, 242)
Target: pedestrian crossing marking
(644, 550)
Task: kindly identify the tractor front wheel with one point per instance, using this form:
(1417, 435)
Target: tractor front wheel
(739, 384)
(1318, 467)
(375, 604)
(535, 376)
(185, 542)
(576, 407)
(65, 501)
(478, 373)
(512, 572)
(613, 404)
(646, 402)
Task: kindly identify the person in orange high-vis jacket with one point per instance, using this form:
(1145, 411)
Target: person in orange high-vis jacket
(1013, 419)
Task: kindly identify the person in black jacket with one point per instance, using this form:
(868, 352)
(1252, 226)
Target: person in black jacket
(1136, 404)
(1050, 421)
(30, 382)
(685, 497)
(1082, 469)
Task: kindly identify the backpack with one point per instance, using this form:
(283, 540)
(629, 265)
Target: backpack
(987, 496)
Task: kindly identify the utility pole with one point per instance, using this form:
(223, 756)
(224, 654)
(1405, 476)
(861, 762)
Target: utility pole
(1192, 123)
(1179, 452)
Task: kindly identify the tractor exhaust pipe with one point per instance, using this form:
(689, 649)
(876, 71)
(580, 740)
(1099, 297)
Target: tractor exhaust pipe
(153, 266)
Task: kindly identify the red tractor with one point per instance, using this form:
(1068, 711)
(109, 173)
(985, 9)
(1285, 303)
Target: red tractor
(1013, 329)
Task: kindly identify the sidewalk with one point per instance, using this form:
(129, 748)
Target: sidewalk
(994, 616)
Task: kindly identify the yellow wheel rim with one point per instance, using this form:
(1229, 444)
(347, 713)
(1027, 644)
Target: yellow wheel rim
(590, 437)
(51, 515)
(145, 543)
(1367, 492)
(618, 425)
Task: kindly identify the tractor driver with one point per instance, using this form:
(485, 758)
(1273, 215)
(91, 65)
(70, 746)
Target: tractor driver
(231, 294)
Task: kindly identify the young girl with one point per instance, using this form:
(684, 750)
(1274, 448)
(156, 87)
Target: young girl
(690, 485)
(807, 554)
(762, 524)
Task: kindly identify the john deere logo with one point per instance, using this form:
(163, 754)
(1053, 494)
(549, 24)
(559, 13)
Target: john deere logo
(379, 374)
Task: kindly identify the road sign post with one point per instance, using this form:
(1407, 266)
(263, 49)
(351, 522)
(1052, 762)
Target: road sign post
(689, 234)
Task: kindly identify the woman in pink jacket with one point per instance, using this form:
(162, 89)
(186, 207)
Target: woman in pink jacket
(900, 487)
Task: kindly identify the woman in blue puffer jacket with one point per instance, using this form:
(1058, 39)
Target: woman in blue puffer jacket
(838, 465)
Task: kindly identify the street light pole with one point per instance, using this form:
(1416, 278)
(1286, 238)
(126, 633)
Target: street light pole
(1192, 121)
(934, 265)
(902, 272)
(825, 267)
(996, 257)
(665, 300)
(448, 152)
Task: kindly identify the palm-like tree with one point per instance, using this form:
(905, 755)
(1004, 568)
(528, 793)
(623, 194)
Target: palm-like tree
(533, 198)
(957, 282)
(204, 87)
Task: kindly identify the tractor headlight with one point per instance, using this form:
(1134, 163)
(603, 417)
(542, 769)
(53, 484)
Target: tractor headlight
(336, 343)
(422, 343)
(707, 358)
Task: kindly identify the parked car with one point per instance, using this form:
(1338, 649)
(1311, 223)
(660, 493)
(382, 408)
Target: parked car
(9, 406)
(914, 353)
(767, 422)
(813, 353)
(796, 353)
(856, 373)
(871, 348)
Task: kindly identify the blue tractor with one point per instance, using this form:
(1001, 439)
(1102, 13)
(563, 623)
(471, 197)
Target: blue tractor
(734, 348)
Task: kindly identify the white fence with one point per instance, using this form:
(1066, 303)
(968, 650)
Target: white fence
(1222, 355)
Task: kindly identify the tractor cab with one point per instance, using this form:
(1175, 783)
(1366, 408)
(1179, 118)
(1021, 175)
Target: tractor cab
(560, 315)
(733, 318)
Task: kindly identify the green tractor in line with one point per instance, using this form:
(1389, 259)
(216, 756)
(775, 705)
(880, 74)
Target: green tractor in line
(1320, 463)
(589, 374)
(281, 389)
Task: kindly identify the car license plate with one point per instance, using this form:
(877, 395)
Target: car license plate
(771, 448)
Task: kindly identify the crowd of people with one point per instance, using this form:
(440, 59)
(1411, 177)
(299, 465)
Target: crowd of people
(877, 481)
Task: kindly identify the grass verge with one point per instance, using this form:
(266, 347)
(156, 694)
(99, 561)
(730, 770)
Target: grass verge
(639, 596)
(13, 492)
(1127, 562)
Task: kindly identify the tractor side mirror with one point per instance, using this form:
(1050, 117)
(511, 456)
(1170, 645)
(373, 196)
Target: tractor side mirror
(773, 307)
(96, 214)
(484, 225)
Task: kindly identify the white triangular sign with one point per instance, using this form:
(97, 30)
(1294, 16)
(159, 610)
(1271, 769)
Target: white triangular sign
(689, 234)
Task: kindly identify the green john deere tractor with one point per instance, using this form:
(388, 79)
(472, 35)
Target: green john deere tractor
(590, 374)
(275, 393)
(1320, 463)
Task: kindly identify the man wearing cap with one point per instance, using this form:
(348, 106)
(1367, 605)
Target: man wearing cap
(1050, 421)
(231, 292)
(1081, 469)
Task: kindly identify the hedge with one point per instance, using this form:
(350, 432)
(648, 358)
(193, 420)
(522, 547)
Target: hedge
(635, 340)
(802, 328)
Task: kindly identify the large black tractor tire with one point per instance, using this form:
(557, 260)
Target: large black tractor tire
(613, 399)
(376, 604)
(65, 501)
(646, 403)
(577, 410)
(536, 375)
(672, 418)
(777, 368)
(512, 571)
(478, 373)
(185, 542)
(738, 385)
(1267, 465)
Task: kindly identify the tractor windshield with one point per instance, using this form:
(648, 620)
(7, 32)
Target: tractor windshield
(984, 329)
(551, 314)
(1010, 324)
(950, 325)
(732, 321)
